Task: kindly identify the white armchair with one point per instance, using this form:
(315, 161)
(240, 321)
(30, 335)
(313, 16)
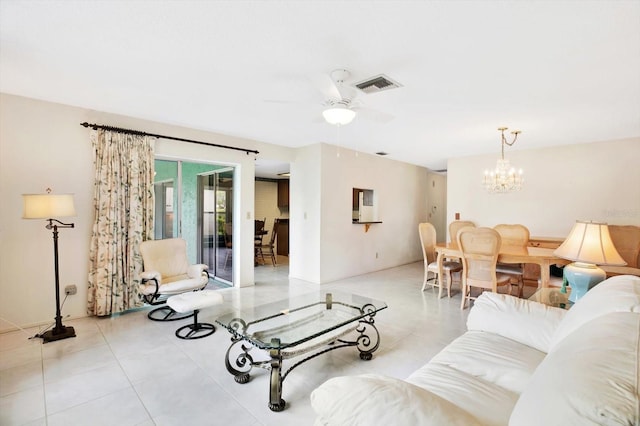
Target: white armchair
(167, 272)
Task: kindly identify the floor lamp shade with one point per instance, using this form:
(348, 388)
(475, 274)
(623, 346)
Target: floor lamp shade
(45, 206)
(588, 244)
(49, 206)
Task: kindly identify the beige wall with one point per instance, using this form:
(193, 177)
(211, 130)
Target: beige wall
(596, 181)
(305, 216)
(344, 248)
(436, 191)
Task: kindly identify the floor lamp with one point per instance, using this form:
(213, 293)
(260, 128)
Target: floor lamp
(47, 206)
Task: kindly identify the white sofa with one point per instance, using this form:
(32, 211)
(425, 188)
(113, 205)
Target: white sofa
(519, 363)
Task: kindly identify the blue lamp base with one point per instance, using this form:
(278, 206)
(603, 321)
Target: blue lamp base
(582, 277)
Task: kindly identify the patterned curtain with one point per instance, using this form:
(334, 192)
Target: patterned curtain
(123, 206)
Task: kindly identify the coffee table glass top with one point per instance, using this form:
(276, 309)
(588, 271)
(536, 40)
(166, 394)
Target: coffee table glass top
(553, 297)
(290, 322)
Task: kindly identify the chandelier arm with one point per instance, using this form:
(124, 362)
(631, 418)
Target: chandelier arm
(515, 137)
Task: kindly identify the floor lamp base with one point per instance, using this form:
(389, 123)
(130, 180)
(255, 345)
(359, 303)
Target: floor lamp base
(58, 334)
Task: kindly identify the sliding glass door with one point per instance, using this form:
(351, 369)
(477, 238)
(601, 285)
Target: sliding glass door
(194, 201)
(165, 181)
(215, 191)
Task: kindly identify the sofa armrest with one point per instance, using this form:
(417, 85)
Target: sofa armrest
(371, 399)
(527, 322)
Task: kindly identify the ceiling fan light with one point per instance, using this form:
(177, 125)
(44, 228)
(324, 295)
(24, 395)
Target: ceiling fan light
(338, 115)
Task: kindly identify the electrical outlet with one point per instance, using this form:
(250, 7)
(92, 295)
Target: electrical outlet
(70, 289)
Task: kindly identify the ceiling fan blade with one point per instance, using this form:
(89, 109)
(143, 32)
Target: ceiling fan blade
(325, 85)
(281, 101)
(374, 115)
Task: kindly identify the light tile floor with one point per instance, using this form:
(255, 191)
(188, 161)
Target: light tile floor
(128, 370)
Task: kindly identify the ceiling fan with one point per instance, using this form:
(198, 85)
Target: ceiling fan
(340, 99)
(341, 103)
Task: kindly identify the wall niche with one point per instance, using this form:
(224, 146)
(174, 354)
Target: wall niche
(364, 206)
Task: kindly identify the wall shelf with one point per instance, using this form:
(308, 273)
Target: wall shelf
(366, 224)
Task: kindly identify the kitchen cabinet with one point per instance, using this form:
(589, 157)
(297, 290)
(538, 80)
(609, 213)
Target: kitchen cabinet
(283, 193)
(283, 237)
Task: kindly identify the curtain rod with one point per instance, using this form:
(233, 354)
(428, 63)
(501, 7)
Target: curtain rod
(138, 132)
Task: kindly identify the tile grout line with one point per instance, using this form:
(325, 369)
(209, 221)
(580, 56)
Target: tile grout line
(133, 388)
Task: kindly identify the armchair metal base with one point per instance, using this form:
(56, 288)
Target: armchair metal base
(165, 313)
(197, 330)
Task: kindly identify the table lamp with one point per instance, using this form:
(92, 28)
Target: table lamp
(588, 244)
(47, 206)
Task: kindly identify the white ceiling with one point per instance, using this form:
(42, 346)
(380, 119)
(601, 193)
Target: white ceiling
(563, 72)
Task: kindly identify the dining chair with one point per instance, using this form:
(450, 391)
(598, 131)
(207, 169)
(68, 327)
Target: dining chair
(428, 241)
(515, 238)
(259, 230)
(480, 248)
(456, 226)
(228, 243)
(268, 248)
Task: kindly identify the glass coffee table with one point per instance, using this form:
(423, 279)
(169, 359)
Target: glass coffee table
(311, 325)
(553, 296)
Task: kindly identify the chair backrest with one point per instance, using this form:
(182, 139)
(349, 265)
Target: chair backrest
(626, 239)
(428, 241)
(274, 232)
(514, 237)
(259, 224)
(480, 248)
(228, 234)
(456, 226)
(169, 256)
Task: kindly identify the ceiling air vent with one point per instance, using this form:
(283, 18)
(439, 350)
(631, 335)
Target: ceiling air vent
(377, 84)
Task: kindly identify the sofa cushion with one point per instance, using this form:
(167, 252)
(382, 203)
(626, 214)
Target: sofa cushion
(616, 294)
(590, 378)
(378, 400)
(530, 323)
(482, 373)
(491, 358)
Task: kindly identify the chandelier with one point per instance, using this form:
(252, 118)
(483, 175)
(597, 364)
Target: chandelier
(503, 178)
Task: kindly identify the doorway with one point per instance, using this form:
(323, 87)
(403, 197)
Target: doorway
(194, 201)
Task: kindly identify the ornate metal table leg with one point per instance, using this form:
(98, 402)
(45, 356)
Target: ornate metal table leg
(367, 344)
(244, 362)
(276, 403)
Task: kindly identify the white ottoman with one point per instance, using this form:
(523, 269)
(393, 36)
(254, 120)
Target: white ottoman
(194, 301)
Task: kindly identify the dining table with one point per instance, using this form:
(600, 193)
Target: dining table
(542, 256)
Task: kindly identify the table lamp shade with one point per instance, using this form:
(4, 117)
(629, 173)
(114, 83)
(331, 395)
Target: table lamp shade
(46, 206)
(590, 242)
